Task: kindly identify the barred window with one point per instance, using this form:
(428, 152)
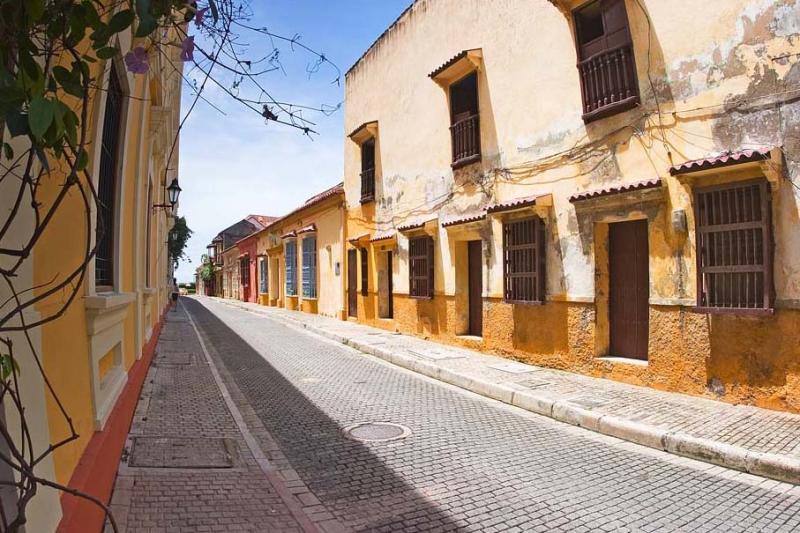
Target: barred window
(420, 269)
(291, 268)
(734, 246)
(107, 182)
(524, 260)
(368, 171)
(310, 267)
(364, 272)
(262, 272)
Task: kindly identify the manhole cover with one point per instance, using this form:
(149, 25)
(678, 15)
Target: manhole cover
(376, 431)
(161, 452)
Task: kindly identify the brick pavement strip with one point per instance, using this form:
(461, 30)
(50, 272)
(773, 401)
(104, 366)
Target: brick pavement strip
(750, 439)
(191, 463)
(470, 463)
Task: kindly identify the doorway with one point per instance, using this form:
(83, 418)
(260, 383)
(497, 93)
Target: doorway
(475, 288)
(385, 290)
(352, 283)
(629, 288)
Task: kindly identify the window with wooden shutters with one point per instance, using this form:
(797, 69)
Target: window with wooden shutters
(148, 234)
(262, 273)
(364, 272)
(734, 247)
(465, 121)
(244, 271)
(420, 258)
(310, 267)
(107, 183)
(609, 83)
(524, 260)
(368, 171)
(291, 268)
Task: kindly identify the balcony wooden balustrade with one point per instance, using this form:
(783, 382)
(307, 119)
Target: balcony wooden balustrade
(608, 82)
(466, 141)
(367, 185)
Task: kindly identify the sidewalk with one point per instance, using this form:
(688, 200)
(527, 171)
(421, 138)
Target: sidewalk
(193, 460)
(750, 439)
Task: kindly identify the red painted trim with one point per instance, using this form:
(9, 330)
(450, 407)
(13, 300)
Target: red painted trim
(97, 468)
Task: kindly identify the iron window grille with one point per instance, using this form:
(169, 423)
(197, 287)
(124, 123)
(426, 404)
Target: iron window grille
(310, 267)
(364, 272)
(291, 268)
(244, 271)
(524, 261)
(420, 267)
(107, 183)
(606, 63)
(734, 247)
(368, 171)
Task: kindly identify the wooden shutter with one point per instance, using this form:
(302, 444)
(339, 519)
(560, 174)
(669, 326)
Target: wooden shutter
(734, 246)
(524, 260)
(368, 171)
(262, 272)
(421, 267)
(364, 272)
(291, 268)
(107, 182)
(310, 267)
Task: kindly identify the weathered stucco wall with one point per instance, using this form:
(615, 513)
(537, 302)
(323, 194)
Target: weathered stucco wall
(713, 76)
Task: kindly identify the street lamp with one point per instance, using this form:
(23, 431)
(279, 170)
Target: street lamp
(173, 192)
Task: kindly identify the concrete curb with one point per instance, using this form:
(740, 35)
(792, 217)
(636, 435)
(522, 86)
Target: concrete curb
(769, 465)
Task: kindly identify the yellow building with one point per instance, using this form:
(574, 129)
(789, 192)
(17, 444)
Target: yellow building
(97, 353)
(300, 257)
(634, 217)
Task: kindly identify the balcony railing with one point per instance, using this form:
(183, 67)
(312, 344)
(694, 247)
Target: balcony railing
(608, 82)
(466, 141)
(368, 185)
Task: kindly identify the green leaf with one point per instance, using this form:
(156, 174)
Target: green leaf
(17, 123)
(100, 36)
(35, 9)
(7, 366)
(8, 152)
(120, 21)
(107, 52)
(71, 126)
(40, 116)
(69, 80)
(147, 25)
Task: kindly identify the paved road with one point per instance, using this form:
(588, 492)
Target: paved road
(470, 464)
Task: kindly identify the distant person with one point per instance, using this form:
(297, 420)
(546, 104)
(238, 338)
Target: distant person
(175, 293)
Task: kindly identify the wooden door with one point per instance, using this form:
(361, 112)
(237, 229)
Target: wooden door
(389, 281)
(352, 283)
(629, 289)
(475, 290)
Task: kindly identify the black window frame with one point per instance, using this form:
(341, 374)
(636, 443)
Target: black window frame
(465, 132)
(368, 170)
(364, 272)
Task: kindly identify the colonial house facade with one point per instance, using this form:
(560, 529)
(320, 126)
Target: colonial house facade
(608, 187)
(96, 354)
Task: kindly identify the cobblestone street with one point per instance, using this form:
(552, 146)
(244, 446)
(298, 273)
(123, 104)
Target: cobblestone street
(469, 463)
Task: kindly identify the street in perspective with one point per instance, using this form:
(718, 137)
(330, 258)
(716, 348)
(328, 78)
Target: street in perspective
(399, 266)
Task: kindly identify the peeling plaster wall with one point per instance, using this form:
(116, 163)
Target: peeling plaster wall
(713, 76)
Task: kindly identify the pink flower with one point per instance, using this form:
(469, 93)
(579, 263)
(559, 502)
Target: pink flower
(187, 49)
(136, 61)
(198, 16)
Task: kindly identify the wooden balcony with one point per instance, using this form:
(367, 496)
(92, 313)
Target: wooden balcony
(608, 82)
(368, 185)
(466, 141)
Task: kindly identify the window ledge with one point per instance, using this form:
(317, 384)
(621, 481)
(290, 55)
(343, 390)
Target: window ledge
(464, 161)
(624, 360)
(367, 199)
(733, 311)
(420, 297)
(611, 109)
(108, 301)
(524, 302)
(149, 291)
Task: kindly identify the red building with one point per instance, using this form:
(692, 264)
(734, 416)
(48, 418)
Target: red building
(248, 277)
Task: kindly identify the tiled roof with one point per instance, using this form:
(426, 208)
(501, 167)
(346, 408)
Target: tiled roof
(415, 225)
(382, 236)
(449, 63)
(260, 221)
(721, 160)
(289, 235)
(517, 203)
(327, 193)
(361, 127)
(626, 187)
(464, 219)
(307, 229)
(359, 237)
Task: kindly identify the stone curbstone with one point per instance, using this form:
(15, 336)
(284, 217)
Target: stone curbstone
(630, 430)
(535, 403)
(567, 412)
(774, 466)
(706, 450)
